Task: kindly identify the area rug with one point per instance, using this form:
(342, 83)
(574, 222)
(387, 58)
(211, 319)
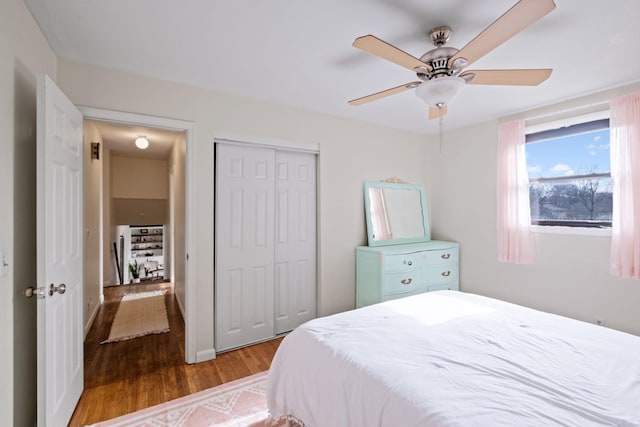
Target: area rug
(139, 314)
(239, 403)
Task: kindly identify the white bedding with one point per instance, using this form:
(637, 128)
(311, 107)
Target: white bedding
(455, 359)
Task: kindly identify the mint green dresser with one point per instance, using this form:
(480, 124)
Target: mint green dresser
(388, 272)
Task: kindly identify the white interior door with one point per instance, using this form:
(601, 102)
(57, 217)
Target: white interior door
(59, 255)
(295, 240)
(244, 245)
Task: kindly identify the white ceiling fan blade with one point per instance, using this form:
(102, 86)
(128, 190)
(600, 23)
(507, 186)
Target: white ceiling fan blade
(384, 93)
(381, 49)
(437, 112)
(516, 19)
(531, 77)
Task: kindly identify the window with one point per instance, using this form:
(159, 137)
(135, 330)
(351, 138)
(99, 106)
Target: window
(570, 175)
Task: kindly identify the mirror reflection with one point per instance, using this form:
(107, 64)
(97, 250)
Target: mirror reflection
(396, 213)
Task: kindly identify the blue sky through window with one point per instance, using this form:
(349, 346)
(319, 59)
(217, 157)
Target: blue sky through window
(570, 155)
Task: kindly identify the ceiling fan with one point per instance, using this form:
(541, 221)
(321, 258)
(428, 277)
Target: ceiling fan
(441, 71)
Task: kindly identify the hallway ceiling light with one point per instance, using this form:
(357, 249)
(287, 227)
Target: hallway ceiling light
(142, 142)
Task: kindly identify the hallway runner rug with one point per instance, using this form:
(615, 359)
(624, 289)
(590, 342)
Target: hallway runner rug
(139, 314)
(239, 403)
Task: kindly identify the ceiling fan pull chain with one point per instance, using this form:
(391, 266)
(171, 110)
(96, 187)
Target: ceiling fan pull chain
(441, 132)
(441, 125)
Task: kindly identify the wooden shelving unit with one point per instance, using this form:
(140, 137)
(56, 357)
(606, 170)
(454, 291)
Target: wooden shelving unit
(147, 242)
(147, 249)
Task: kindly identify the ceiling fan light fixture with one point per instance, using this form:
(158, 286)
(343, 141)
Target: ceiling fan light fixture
(142, 142)
(440, 90)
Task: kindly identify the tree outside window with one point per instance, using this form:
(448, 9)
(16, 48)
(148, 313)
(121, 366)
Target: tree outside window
(562, 190)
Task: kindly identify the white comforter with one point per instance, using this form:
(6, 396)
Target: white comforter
(454, 359)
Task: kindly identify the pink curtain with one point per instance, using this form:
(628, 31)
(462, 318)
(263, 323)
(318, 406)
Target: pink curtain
(515, 242)
(625, 173)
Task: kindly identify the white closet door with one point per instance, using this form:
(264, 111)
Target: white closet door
(295, 251)
(244, 245)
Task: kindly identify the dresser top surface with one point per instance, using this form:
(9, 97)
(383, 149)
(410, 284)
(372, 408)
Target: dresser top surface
(410, 247)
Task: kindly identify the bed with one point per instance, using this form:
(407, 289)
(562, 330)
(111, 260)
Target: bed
(455, 359)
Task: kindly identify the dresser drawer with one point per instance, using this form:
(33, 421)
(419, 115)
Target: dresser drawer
(401, 282)
(404, 262)
(441, 274)
(442, 256)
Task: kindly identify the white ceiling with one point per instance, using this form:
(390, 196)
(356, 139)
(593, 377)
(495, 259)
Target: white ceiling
(299, 53)
(120, 140)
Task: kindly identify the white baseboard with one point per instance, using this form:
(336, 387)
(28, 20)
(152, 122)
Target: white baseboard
(180, 305)
(203, 356)
(96, 307)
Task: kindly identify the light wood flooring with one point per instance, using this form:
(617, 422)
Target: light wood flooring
(131, 375)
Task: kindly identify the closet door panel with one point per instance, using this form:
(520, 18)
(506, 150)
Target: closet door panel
(282, 290)
(295, 245)
(244, 265)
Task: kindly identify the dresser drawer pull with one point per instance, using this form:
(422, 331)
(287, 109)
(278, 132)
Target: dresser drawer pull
(406, 281)
(409, 262)
(446, 273)
(445, 256)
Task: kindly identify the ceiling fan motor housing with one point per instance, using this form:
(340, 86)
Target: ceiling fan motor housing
(438, 58)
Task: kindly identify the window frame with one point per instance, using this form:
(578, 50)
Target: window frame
(573, 125)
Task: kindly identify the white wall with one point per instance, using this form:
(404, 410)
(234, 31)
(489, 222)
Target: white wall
(138, 178)
(109, 268)
(139, 211)
(139, 189)
(24, 53)
(350, 152)
(175, 257)
(92, 183)
(571, 276)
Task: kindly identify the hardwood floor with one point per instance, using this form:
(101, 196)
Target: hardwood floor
(130, 375)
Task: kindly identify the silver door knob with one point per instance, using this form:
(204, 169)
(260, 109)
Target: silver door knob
(61, 289)
(34, 292)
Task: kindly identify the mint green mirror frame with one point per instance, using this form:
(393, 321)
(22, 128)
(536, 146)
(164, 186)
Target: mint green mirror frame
(395, 213)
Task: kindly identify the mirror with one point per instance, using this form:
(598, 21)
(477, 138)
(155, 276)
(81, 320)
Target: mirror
(395, 213)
